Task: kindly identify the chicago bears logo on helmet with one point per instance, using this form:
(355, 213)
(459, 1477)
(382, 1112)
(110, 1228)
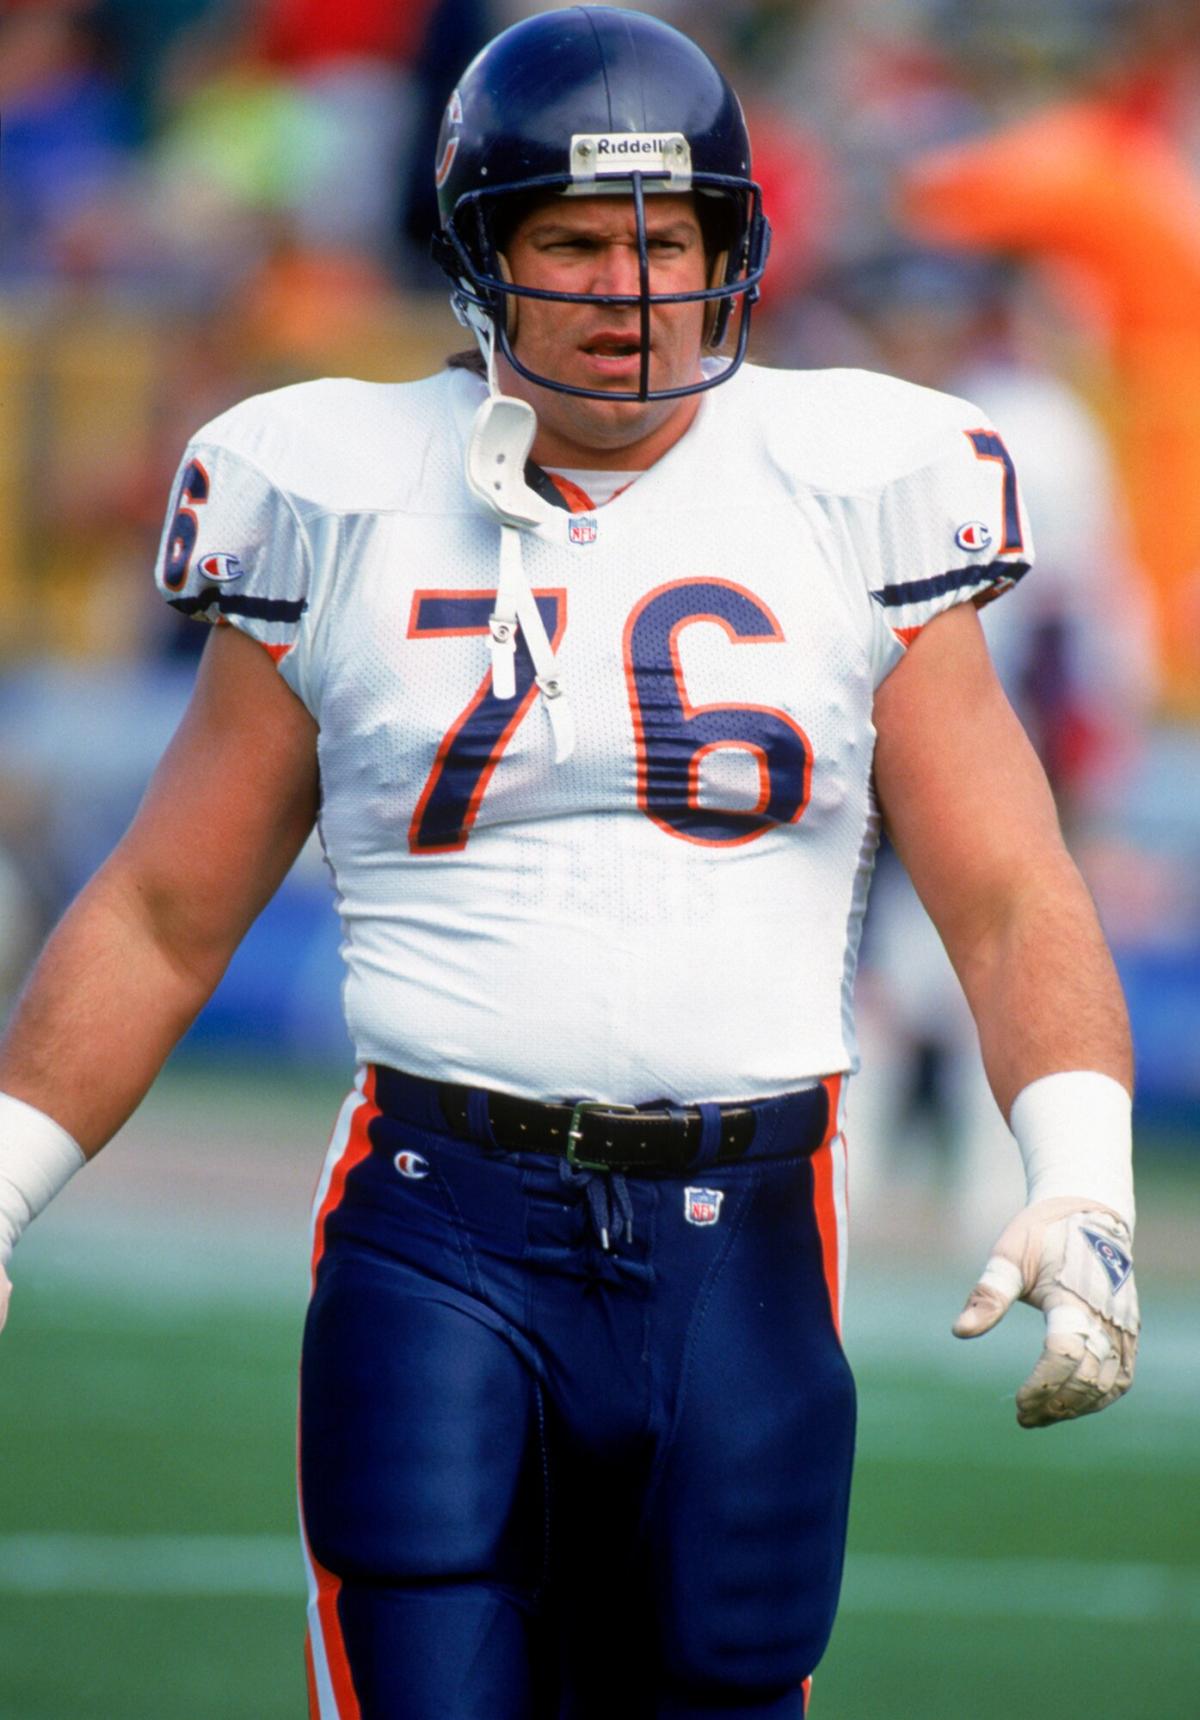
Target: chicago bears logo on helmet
(451, 134)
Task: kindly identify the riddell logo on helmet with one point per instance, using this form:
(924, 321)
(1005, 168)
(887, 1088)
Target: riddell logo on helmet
(595, 154)
(633, 145)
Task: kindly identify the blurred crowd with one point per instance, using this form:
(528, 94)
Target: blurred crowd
(199, 198)
(203, 198)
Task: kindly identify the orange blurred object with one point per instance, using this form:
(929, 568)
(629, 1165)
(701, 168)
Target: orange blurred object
(1099, 187)
(295, 306)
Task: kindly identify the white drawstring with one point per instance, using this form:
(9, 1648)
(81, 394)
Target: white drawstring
(501, 437)
(514, 592)
(504, 619)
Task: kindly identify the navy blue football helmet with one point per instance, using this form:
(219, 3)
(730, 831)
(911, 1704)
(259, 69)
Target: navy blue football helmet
(586, 101)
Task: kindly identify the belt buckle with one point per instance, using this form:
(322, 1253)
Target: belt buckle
(575, 1133)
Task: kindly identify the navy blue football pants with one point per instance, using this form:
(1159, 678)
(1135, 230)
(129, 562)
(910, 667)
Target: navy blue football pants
(546, 1480)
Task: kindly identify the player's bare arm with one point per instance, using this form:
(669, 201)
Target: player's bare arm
(145, 943)
(970, 812)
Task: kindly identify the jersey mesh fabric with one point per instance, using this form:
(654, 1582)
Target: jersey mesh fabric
(674, 911)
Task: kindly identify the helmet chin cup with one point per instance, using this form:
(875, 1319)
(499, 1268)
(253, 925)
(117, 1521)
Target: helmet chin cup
(501, 436)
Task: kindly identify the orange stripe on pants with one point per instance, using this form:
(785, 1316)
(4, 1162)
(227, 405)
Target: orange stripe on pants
(358, 1145)
(328, 1589)
(823, 1200)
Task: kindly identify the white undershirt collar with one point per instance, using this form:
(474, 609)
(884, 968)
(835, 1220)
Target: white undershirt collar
(599, 487)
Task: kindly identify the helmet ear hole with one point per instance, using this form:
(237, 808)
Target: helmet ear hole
(715, 322)
(511, 301)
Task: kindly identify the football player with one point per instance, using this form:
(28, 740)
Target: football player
(603, 660)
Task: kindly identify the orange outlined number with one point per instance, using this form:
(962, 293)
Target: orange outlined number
(471, 748)
(673, 736)
(988, 446)
(185, 527)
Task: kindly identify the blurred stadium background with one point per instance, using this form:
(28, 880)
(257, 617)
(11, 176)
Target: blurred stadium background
(200, 199)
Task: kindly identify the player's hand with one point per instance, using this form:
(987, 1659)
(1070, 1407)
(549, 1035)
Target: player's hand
(5, 1293)
(1072, 1260)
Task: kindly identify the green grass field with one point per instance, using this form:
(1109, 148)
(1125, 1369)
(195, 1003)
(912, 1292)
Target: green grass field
(148, 1566)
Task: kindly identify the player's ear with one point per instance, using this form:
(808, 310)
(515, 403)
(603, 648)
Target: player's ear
(511, 300)
(712, 310)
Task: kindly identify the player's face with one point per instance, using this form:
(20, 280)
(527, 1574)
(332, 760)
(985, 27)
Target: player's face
(589, 245)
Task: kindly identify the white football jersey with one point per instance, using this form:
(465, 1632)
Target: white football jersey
(674, 910)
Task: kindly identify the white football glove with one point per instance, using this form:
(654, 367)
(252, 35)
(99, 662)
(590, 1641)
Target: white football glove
(1072, 1260)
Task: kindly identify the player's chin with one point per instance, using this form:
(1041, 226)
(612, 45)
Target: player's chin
(616, 423)
(611, 406)
(620, 374)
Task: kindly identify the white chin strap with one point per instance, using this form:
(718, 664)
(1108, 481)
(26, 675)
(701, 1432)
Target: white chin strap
(501, 438)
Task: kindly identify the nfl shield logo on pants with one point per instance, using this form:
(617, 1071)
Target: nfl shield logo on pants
(702, 1205)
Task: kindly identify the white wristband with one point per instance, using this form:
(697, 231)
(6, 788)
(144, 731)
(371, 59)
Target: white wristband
(37, 1159)
(1076, 1137)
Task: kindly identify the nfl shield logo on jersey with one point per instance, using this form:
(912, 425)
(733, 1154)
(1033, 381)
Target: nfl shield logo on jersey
(411, 1165)
(702, 1205)
(582, 528)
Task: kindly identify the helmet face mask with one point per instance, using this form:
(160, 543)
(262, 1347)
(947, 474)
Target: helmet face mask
(540, 114)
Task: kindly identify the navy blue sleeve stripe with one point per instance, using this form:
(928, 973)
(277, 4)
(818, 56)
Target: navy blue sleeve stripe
(958, 579)
(233, 603)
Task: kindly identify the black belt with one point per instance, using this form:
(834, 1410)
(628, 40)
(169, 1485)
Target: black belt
(595, 1136)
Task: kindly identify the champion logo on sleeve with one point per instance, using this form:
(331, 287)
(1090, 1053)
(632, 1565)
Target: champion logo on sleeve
(220, 567)
(973, 535)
